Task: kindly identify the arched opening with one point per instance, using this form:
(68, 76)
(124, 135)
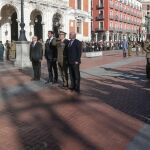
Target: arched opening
(57, 23)
(36, 21)
(14, 27)
(9, 23)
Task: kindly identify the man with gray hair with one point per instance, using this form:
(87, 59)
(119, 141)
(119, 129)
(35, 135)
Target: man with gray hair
(74, 60)
(36, 54)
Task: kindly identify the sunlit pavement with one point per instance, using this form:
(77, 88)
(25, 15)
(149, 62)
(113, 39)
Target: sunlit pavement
(111, 113)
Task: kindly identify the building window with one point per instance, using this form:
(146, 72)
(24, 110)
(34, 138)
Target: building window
(79, 27)
(111, 25)
(101, 25)
(101, 2)
(78, 4)
(111, 13)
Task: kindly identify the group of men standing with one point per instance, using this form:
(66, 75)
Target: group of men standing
(60, 53)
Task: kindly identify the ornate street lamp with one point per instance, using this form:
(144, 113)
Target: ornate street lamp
(22, 24)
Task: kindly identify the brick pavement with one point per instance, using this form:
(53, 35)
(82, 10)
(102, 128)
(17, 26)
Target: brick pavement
(112, 112)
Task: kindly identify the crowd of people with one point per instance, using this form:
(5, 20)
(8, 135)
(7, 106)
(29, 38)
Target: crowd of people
(60, 53)
(8, 50)
(102, 45)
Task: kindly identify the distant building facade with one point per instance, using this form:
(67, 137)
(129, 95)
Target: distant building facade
(41, 16)
(117, 19)
(146, 16)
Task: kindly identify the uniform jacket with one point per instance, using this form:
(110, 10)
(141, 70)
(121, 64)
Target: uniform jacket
(74, 52)
(36, 51)
(62, 48)
(147, 49)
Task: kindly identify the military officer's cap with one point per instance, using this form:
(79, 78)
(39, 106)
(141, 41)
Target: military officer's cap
(62, 32)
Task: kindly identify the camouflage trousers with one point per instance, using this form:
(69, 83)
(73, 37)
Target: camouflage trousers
(63, 69)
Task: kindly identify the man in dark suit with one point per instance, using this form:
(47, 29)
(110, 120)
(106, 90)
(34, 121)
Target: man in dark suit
(51, 57)
(36, 54)
(74, 55)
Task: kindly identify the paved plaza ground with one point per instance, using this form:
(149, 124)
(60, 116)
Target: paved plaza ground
(111, 113)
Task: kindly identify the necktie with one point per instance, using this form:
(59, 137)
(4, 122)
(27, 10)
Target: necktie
(70, 43)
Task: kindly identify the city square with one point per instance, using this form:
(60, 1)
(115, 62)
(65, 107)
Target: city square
(105, 102)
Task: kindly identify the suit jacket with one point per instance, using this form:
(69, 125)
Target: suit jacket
(36, 51)
(51, 50)
(74, 52)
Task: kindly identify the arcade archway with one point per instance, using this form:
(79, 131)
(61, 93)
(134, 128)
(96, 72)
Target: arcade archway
(9, 24)
(14, 27)
(36, 24)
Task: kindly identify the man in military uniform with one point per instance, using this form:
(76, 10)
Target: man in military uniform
(147, 50)
(62, 45)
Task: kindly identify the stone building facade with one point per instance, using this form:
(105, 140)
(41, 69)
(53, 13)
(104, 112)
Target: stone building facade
(41, 16)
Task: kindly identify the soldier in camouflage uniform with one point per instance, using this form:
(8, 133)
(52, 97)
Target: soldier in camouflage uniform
(62, 45)
(147, 50)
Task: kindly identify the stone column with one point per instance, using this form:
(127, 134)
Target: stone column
(22, 54)
(107, 36)
(43, 27)
(96, 36)
(113, 36)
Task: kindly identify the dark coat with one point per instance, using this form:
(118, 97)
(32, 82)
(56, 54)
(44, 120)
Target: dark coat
(74, 52)
(51, 50)
(36, 52)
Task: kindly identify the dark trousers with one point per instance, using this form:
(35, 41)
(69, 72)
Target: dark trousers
(148, 68)
(1, 55)
(63, 69)
(37, 69)
(74, 76)
(52, 70)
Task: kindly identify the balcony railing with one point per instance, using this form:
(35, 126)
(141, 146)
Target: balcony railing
(99, 29)
(111, 28)
(111, 17)
(100, 17)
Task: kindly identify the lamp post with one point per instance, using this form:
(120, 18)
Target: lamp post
(22, 36)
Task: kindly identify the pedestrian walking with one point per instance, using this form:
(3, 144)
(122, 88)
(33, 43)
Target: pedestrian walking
(36, 54)
(1, 51)
(130, 46)
(7, 45)
(51, 57)
(74, 60)
(62, 59)
(125, 47)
